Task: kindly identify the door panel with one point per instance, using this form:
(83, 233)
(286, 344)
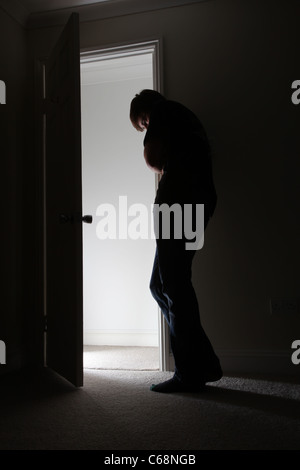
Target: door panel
(63, 203)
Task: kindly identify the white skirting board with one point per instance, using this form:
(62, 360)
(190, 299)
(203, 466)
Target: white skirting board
(121, 338)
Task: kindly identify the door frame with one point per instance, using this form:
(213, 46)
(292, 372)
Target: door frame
(153, 46)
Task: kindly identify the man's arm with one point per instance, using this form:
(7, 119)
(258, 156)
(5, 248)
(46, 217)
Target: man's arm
(155, 155)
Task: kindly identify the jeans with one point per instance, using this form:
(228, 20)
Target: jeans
(171, 286)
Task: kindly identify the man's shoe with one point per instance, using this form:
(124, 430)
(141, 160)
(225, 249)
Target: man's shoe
(213, 376)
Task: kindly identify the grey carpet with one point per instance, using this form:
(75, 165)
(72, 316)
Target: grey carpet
(115, 410)
(121, 358)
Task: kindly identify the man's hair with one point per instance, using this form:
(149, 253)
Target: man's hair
(142, 105)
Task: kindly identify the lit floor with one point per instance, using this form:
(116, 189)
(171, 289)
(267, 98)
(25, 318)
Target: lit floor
(121, 358)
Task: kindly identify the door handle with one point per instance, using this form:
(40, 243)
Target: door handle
(88, 219)
(70, 218)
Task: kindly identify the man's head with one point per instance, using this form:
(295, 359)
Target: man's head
(141, 107)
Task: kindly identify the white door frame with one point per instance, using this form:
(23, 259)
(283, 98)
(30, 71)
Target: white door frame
(153, 47)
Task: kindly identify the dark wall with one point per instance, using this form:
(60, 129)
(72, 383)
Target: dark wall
(14, 188)
(232, 62)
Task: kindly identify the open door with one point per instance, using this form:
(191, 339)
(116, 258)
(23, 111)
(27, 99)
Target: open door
(63, 207)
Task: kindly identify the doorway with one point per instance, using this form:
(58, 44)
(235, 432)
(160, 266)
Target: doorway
(121, 319)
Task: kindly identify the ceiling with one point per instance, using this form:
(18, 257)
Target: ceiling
(38, 6)
(44, 13)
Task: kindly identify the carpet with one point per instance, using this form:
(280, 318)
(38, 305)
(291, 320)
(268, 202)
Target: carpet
(121, 358)
(115, 410)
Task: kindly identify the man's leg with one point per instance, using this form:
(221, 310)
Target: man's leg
(156, 289)
(195, 360)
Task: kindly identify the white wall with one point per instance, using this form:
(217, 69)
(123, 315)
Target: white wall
(118, 306)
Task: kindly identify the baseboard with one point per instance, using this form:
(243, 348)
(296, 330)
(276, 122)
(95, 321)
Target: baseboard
(253, 362)
(257, 362)
(121, 338)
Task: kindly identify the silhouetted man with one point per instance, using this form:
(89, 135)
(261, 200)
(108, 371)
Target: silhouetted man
(176, 147)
